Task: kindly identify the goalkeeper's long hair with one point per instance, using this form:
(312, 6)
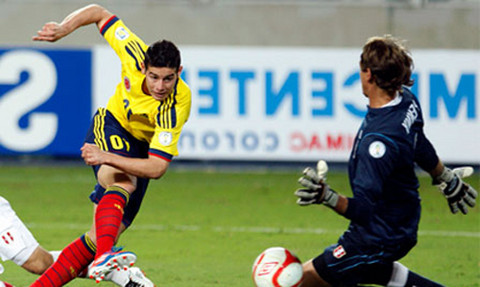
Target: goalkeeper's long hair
(389, 62)
(163, 54)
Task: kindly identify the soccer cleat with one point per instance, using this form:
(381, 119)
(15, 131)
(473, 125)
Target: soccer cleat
(138, 279)
(109, 261)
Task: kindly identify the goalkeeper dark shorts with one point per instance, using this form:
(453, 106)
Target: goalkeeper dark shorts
(107, 133)
(347, 264)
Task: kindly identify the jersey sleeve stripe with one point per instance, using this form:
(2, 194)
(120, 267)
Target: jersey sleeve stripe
(131, 53)
(162, 116)
(134, 49)
(173, 113)
(99, 123)
(108, 24)
(161, 154)
(137, 48)
(167, 114)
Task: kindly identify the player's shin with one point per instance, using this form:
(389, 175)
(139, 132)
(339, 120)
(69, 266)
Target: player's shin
(108, 218)
(71, 261)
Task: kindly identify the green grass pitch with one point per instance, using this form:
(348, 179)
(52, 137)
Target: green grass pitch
(205, 228)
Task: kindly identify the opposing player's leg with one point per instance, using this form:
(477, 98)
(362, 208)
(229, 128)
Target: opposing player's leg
(311, 277)
(18, 244)
(40, 260)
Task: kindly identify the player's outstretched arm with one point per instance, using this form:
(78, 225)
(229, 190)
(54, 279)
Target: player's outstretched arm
(459, 194)
(316, 191)
(53, 31)
(152, 167)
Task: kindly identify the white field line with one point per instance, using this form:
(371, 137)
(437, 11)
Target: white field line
(242, 229)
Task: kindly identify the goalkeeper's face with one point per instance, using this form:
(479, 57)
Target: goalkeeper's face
(160, 81)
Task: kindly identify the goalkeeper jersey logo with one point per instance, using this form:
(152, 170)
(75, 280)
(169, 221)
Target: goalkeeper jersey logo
(377, 149)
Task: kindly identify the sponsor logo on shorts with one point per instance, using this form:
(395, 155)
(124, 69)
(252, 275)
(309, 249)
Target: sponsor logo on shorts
(339, 252)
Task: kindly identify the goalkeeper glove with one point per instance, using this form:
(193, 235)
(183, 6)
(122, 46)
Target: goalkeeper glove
(458, 193)
(315, 190)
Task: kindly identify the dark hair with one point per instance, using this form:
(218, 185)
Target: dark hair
(389, 62)
(162, 54)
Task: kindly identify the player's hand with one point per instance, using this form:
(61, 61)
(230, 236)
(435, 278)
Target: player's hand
(459, 194)
(92, 154)
(50, 32)
(315, 190)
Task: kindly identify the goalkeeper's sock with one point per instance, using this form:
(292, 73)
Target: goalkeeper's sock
(108, 217)
(415, 280)
(72, 260)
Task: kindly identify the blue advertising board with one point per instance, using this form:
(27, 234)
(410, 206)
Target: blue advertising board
(45, 100)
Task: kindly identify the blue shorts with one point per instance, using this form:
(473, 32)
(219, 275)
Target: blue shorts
(348, 264)
(107, 133)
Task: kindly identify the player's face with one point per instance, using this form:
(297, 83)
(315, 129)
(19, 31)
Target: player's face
(160, 81)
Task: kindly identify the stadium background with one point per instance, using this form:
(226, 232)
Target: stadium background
(214, 212)
(272, 81)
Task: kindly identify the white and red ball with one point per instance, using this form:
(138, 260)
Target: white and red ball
(277, 267)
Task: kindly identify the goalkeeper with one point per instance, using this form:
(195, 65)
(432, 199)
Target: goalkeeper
(384, 211)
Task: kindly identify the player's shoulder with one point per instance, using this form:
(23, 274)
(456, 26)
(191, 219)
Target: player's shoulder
(183, 91)
(115, 31)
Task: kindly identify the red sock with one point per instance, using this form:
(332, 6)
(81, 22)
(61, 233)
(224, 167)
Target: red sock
(73, 259)
(108, 218)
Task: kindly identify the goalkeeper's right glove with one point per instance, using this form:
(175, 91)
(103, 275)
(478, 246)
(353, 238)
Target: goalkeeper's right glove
(316, 191)
(458, 193)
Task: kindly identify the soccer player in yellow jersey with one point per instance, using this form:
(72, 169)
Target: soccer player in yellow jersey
(131, 141)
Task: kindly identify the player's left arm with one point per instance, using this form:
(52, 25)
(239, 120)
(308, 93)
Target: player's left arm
(152, 167)
(460, 195)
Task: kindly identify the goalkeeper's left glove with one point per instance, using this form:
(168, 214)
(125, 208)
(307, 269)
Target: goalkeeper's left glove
(316, 191)
(458, 193)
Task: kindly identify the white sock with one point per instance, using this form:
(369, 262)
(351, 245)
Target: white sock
(55, 254)
(399, 275)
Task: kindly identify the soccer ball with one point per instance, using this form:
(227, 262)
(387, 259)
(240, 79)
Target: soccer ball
(277, 267)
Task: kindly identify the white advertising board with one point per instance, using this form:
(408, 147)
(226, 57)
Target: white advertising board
(301, 104)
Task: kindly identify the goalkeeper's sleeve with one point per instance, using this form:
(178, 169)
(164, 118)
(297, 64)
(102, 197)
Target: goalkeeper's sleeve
(425, 155)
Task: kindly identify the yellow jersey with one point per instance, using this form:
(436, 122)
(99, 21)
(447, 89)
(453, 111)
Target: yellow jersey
(157, 122)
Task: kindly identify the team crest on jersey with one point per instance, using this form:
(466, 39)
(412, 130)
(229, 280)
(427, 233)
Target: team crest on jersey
(121, 34)
(126, 82)
(165, 138)
(377, 149)
(339, 252)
